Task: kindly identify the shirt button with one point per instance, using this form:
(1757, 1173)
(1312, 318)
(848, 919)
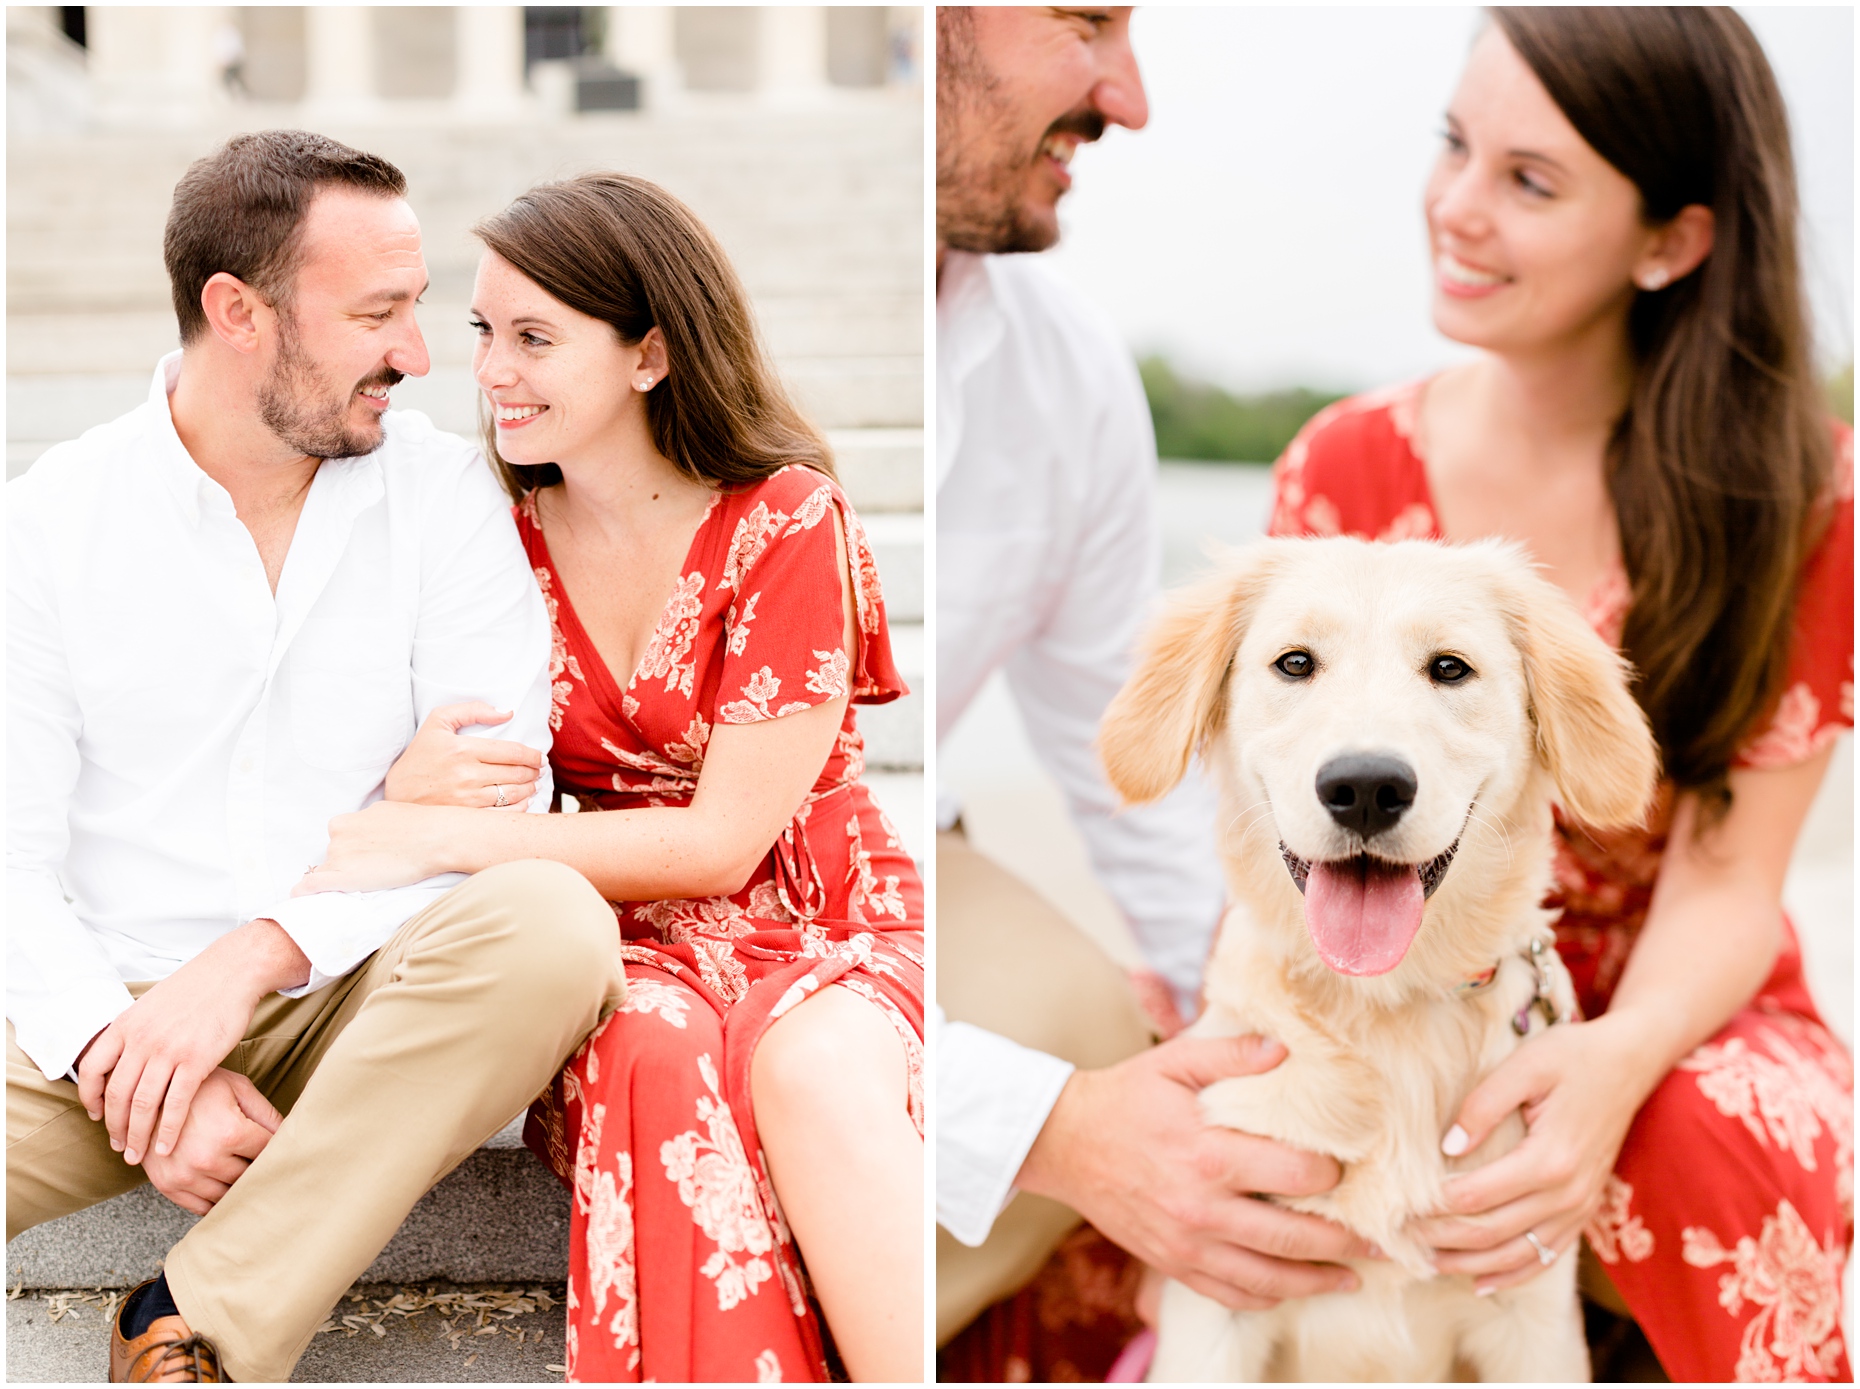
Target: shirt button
(246, 765)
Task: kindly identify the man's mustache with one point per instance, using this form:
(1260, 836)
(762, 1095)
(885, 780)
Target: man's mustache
(1086, 123)
(387, 376)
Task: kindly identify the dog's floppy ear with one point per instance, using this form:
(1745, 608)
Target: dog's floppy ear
(1591, 735)
(1175, 700)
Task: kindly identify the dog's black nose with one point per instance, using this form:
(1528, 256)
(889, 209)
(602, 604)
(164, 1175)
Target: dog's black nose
(1366, 792)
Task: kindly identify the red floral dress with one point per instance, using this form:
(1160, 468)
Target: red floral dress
(1729, 1216)
(680, 1264)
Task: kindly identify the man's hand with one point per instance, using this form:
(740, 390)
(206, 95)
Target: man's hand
(228, 1124)
(150, 1061)
(1126, 1147)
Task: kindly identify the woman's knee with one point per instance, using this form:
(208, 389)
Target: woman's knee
(835, 1050)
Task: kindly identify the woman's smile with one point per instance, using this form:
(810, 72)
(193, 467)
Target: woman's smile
(516, 416)
(1463, 280)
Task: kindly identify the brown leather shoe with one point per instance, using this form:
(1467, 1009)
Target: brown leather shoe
(167, 1353)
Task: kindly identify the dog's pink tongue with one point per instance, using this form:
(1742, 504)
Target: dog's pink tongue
(1362, 914)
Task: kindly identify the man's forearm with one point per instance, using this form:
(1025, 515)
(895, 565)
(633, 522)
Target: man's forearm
(260, 958)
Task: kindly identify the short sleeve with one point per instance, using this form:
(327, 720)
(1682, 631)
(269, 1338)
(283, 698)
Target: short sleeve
(1352, 470)
(1818, 693)
(783, 628)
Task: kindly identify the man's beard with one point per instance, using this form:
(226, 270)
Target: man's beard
(296, 406)
(981, 206)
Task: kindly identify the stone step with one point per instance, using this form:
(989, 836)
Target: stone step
(500, 1215)
(64, 1338)
(881, 470)
(894, 732)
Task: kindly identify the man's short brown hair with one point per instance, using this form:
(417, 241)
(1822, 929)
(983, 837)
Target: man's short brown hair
(240, 210)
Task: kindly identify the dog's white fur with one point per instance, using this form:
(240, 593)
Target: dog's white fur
(1377, 1067)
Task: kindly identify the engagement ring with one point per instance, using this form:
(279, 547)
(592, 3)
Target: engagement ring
(500, 795)
(1545, 1255)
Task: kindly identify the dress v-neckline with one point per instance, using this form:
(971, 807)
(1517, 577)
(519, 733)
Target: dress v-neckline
(599, 675)
(1606, 605)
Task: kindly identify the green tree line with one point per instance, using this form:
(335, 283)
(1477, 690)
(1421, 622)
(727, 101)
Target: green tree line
(1194, 419)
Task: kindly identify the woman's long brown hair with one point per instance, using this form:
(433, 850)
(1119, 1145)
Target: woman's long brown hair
(1721, 465)
(623, 250)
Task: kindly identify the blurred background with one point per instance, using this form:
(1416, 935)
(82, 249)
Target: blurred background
(1261, 247)
(795, 132)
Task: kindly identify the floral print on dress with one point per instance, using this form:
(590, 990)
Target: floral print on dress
(836, 901)
(715, 1181)
(1614, 1232)
(1793, 1285)
(666, 652)
(1788, 1097)
(561, 663)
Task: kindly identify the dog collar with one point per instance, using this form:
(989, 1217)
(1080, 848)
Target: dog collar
(1540, 1000)
(1540, 990)
(1478, 983)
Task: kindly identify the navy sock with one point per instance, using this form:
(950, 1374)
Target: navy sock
(148, 1302)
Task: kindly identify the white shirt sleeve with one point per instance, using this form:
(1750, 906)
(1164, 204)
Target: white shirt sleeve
(993, 1097)
(1158, 862)
(60, 989)
(483, 633)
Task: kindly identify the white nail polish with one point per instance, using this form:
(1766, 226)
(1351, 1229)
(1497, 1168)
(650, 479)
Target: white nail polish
(1484, 1292)
(1455, 1142)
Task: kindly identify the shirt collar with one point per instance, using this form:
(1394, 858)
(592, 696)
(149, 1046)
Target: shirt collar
(191, 487)
(353, 483)
(970, 326)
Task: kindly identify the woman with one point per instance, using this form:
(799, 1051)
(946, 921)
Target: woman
(715, 612)
(1612, 220)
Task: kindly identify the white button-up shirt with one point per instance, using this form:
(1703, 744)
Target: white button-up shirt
(178, 738)
(1048, 563)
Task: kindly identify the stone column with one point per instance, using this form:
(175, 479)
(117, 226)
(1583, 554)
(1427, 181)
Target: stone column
(490, 60)
(640, 41)
(339, 43)
(792, 57)
(156, 64)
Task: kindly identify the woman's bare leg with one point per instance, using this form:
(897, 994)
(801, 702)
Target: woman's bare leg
(828, 1080)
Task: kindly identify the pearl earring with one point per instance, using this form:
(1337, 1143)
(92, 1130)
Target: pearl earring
(1654, 279)
(645, 384)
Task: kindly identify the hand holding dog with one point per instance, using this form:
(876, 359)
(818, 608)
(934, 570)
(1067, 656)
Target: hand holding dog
(1128, 1149)
(1577, 1085)
(228, 1125)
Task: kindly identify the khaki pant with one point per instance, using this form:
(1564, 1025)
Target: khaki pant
(389, 1078)
(1009, 962)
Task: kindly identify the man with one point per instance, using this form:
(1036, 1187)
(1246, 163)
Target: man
(226, 612)
(1048, 558)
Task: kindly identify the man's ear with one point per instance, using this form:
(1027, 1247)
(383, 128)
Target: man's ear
(1176, 700)
(1591, 734)
(235, 313)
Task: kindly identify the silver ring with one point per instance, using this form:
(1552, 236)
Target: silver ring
(501, 798)
(1545, 1255)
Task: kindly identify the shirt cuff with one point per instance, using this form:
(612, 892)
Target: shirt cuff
(53, 1033)
(993, 1097)
(338, 930)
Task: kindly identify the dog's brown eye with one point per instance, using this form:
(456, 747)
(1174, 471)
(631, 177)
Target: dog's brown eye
(1297, 664)
(1448, 670)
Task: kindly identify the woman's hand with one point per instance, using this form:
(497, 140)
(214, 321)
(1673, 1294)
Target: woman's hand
(1579, 1085)
(385, 845)
(441, 767)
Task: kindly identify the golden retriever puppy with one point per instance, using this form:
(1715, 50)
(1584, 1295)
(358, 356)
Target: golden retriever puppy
(1389, 725)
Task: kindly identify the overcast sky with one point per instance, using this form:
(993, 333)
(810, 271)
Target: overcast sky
(1265, 229)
